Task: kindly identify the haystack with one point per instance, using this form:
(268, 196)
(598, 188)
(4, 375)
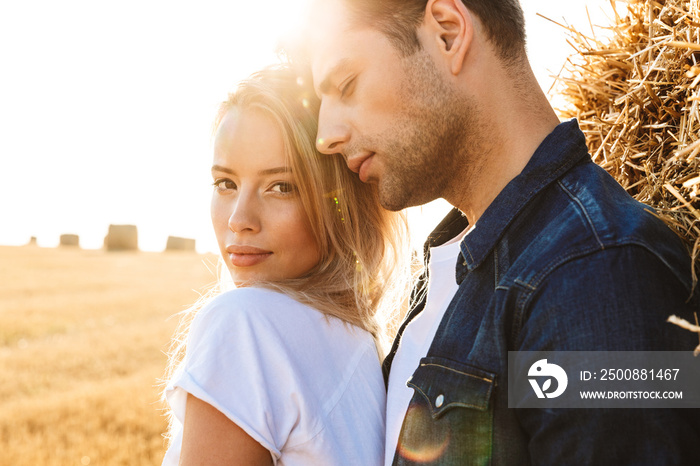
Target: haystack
(636, 95)
(176, 243)
(69, 240)
(122, 238)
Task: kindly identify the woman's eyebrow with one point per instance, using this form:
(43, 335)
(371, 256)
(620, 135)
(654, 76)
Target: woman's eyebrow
(274, 171)
(219, 168)
(267, 171)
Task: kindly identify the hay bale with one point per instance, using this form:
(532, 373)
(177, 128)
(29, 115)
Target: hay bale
(122, 238)
(636, 95)
(69, 240)
(175, 243)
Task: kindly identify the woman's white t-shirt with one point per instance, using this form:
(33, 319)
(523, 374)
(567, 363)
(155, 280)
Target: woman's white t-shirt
(307, 387)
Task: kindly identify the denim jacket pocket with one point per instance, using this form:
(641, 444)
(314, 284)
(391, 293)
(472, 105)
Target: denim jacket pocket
(449, 420)
(447, 384)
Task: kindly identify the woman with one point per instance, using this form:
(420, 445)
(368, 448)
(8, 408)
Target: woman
(285, 369)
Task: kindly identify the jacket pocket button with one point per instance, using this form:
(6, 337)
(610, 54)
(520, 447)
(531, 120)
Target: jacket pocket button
(439, 401)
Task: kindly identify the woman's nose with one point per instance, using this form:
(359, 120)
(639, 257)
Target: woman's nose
(245, 215)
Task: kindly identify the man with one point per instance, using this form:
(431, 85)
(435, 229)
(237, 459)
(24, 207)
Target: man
(543, 251)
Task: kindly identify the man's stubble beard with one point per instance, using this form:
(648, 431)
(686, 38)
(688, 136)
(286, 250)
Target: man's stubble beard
(434, 146)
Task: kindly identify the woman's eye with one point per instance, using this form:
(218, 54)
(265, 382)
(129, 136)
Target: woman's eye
(224, 185)
(284, 187)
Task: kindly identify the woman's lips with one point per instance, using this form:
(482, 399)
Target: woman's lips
(246, 256)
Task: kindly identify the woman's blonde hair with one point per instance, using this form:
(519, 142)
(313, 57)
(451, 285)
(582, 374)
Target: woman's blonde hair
(364, 274)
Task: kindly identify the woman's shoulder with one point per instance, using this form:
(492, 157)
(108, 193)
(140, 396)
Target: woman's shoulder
(294, 340)
(258, 307)
(262, 311)
(271, 363)
(250, 296)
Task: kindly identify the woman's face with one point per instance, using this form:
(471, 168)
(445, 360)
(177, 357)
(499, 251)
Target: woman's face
(262, 230)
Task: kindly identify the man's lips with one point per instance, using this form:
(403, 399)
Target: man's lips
(360, 164)
(246, 256)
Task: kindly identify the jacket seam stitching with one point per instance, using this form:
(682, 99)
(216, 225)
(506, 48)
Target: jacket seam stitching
(578, 202)
(453, 403)
(459, 372)
(530, 288)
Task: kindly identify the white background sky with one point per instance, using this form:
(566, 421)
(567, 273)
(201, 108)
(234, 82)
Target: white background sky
(106, 108)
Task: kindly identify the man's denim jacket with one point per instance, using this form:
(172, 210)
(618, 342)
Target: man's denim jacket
(563, 259)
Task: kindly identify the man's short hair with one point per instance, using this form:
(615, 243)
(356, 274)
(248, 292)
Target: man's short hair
(503, 22)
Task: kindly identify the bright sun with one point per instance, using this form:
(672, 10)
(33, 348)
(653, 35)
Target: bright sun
(107, 108)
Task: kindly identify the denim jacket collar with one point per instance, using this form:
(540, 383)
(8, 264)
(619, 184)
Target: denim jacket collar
(560, 151)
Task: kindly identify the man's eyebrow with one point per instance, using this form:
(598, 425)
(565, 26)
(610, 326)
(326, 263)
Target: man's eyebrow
(268, 171)
(339, 67)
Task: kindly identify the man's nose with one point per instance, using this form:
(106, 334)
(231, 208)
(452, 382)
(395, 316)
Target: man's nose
(333, 131)
(245, 215)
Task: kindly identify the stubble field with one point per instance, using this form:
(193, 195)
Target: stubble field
(82, 342)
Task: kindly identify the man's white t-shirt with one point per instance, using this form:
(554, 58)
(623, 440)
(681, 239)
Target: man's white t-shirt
(417, 337)
(306, 387)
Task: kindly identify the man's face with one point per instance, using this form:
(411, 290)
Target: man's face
(395, 119)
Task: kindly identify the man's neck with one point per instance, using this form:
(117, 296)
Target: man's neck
(517, 117)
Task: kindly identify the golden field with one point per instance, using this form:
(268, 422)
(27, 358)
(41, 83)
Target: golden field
(82, 341)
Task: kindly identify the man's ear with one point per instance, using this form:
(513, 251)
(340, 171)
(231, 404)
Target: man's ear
(451, 24)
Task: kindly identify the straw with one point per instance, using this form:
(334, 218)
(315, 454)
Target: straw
(635, 93)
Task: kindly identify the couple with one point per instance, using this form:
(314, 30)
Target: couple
(543, 251)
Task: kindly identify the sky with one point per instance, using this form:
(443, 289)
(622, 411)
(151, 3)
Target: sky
(106, 108)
